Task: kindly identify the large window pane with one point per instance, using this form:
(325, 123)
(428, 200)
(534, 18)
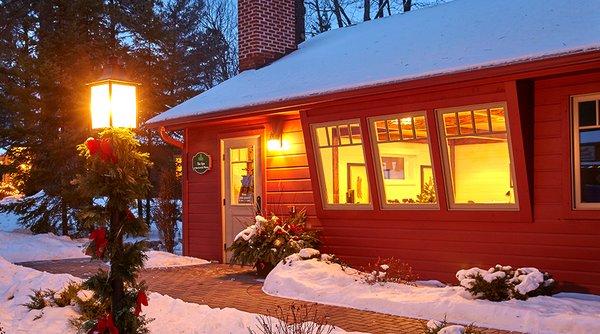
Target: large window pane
(341, 161)
(404, 162)
(478, 160)
(587, 161)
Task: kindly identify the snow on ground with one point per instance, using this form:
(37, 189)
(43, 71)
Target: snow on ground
(157, 259)
(318, 281)
(170, 315)
(16, 284)
(22, 247)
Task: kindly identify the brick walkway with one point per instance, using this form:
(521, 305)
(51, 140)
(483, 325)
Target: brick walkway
(218, 285)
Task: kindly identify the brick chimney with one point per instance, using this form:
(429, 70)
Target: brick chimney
(267, 30)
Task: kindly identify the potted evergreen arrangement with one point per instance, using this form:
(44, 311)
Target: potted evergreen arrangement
(268, 241)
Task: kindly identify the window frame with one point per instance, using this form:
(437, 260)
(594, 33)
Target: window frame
(320, 171)
(447, 173)
(576, 150)
(380, 186)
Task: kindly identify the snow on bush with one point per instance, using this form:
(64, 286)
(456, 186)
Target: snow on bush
(503, 283)
(329, 282)
(389, 270)
(268, 241)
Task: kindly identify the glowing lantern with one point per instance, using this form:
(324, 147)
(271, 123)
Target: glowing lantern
(113, 100)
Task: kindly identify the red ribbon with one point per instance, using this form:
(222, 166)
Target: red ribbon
(101, 148)
(93, 145)
(142, 299)
(106, 324)
(106, 151)
(99, 237)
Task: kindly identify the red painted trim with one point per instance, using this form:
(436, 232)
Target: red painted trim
(168, 139)
(568, 212)
(538, 68)
(185, 195)
(522, 168)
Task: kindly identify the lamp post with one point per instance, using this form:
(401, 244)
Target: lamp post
(113, 108)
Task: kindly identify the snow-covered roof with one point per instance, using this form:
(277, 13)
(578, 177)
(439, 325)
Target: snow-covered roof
(457, 36)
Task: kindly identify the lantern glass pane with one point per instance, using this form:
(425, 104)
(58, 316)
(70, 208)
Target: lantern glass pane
(100, 106)
(123, 106)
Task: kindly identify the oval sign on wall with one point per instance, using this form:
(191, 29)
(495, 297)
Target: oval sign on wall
(201, 163)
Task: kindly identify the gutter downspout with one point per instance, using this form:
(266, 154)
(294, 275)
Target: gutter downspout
(168, 139)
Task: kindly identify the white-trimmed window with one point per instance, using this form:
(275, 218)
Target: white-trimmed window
(478, 157)
(341, 164)
(403, 158)
(586, 151)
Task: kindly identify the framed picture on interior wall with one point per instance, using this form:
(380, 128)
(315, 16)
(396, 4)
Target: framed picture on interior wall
(426, 175)
(393, 167)
(357, 190)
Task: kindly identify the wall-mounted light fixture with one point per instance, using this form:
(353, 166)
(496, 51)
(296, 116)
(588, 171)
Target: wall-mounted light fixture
(276, 141)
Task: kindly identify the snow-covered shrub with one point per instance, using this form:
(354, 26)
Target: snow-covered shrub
(303, 319)
(388, 270)
(501, 283)
(268, 241)
(2, 329)
(443, 327)
(530, 282)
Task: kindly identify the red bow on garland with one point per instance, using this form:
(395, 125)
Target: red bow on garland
(103, 148)
(98, 236)
(142, 299)
(105, 324)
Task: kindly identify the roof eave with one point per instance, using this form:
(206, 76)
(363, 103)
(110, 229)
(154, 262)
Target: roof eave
(549, 65)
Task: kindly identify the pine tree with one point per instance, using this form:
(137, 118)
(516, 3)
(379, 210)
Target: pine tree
(167, 212)
(117, 171)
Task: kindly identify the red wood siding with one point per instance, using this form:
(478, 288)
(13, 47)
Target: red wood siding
(287, 182)
(438, 243)
(288, 176)
(545, 232)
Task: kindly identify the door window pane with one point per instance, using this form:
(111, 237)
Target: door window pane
(478, 163)
(342, 163)
(587, 163)
(404, 164)
(242, 175)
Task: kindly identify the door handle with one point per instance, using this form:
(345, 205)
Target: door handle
(258, 205)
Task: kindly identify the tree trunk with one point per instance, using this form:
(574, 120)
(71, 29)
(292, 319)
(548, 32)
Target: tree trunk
(64, 218)
(367, 12)
(406, 4)
(380, 8)
(338, 13)
(148, 207)
(140, 208)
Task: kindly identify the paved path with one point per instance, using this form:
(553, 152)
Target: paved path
(218, 285)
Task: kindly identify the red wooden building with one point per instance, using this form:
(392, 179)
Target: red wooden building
(466, 134)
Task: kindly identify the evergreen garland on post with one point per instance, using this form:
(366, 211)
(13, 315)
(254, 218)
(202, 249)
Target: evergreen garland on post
(117, 171)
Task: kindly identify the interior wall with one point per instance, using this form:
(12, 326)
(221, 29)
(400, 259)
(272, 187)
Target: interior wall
(482, 173)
